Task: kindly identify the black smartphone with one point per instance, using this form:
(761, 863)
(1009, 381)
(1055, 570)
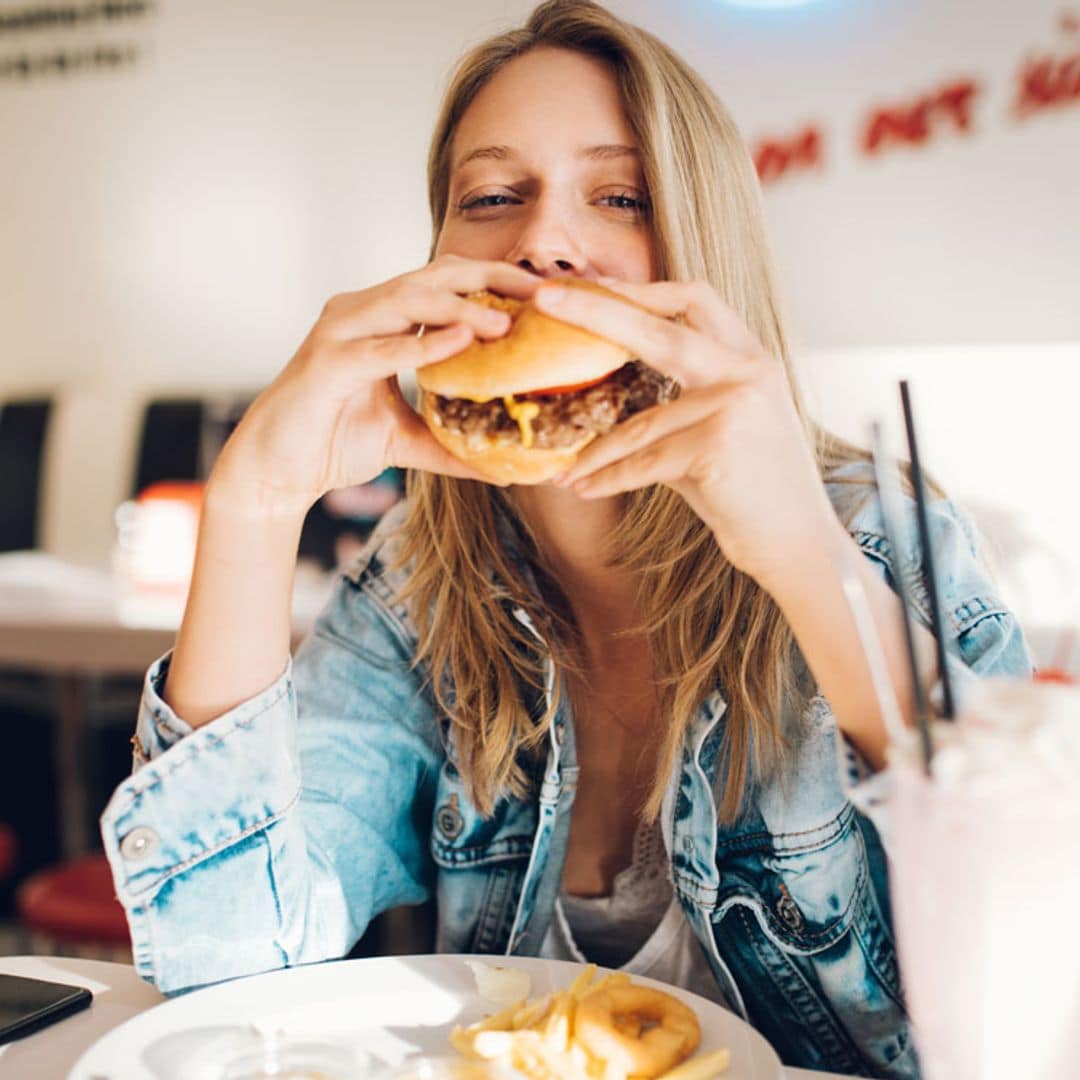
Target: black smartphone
(29, 1004)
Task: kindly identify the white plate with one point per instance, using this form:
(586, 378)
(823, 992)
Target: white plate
(392, 1008)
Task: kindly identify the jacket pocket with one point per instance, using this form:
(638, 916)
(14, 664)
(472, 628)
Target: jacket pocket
(803, 932)
(462, 838)
(482, 864)
(808, 884)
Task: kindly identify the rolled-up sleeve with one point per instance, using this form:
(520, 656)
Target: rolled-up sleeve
(273, 834)
(982, 636)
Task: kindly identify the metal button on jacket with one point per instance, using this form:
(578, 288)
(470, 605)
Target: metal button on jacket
(448, 819)
(789, 911)
(140, 843)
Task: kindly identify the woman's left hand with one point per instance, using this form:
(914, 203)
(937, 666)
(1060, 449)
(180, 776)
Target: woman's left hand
(732, 444)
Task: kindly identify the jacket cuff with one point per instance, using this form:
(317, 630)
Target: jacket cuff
(157, 727)
(209, 790)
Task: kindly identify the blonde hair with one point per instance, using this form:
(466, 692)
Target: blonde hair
(707, 624)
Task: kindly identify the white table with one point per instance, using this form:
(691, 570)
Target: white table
(73, 624)
(58, 618)
(119, 994)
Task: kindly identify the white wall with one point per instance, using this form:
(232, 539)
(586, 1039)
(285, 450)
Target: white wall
(183, 220)
(179, 224)
(974, 238)
(998, 427)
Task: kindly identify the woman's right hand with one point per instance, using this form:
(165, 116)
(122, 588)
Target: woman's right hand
(335, 415)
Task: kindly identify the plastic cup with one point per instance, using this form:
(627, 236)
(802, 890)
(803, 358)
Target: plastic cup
(985, 879)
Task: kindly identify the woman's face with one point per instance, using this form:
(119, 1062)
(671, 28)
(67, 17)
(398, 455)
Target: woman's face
(545, 173)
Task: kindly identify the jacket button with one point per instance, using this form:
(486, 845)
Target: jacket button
(448, 819)
(788, 911)
(139, 844)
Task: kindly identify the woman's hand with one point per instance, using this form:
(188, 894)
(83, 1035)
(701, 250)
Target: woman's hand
(335, 415)
(732, 444)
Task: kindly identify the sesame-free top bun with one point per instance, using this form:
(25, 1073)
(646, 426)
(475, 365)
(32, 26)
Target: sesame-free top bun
(536, 353)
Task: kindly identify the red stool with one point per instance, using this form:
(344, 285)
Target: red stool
(74, 904)
(8, 851)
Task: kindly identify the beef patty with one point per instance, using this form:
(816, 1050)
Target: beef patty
(562, 418)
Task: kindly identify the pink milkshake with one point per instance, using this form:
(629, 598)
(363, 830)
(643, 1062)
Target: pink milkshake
(985, 873)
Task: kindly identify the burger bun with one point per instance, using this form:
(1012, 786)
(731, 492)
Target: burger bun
(536, 353)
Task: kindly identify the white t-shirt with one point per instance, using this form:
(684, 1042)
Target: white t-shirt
(639, 929)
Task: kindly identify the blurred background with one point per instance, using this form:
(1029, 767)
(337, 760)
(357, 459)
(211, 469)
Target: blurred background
(186, 182)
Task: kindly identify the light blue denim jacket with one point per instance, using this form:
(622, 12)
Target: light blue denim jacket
(272, 835)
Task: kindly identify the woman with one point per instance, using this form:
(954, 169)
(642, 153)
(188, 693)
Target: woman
(675, 593)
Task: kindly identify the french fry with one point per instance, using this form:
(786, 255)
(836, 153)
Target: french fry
(612, 978)
(702, 1067)
(500, 1021)
(580, 986)
(490, 1045)
(538, 1039)
(462, 1042)
(541, 1061)
(558, 1023)
(530, 1014)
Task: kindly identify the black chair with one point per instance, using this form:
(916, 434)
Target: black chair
(181, 437)
(23, 429)
(169, 442)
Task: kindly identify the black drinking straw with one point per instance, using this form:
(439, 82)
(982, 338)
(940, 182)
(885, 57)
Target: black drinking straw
(938, 626)
(885, 476)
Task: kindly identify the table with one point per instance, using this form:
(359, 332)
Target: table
(119, 994)
(72, 624)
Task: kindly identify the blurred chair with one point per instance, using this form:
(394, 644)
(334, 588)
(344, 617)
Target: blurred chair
(170, 443)
(26, 802)
(23, 429)
(71, 909)
(180, 438)
(9, 852)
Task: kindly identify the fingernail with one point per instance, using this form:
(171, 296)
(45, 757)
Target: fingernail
(550, 296)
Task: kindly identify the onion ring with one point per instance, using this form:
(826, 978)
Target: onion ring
(644, 1031)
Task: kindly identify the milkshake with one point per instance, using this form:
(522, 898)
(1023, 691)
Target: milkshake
(985, 878)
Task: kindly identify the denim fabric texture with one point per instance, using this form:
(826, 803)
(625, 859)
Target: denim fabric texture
(272, 835)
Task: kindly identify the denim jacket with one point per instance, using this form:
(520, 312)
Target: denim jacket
(272, 835)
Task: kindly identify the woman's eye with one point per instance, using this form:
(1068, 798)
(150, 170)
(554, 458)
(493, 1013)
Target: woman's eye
(626, 202)
(484, 201)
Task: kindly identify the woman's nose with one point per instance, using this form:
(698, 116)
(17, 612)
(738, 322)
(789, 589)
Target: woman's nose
(546, 247)
(557, 266)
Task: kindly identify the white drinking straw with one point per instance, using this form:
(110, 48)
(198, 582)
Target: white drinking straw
(884, 690)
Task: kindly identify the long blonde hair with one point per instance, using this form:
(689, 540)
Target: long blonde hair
(708, 625)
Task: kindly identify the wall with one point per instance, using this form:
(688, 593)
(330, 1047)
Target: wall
(177, 222)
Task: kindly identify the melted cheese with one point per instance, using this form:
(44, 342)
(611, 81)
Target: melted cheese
(523, 413)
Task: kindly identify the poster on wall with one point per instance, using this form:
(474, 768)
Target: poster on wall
(61, 41)
(949, 108)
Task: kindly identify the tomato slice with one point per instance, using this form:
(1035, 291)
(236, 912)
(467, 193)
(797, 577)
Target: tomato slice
(570, 389)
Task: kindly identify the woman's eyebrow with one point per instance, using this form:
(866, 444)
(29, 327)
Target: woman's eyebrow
(603, 152)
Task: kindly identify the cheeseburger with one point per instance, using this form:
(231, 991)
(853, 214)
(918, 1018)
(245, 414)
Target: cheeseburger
(521, 407)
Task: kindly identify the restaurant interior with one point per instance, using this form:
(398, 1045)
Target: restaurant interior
(186, 182)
